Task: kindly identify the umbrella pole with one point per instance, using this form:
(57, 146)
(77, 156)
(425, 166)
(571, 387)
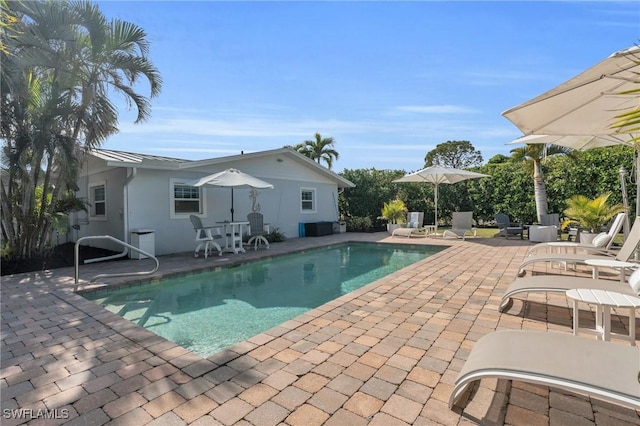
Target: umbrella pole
(637, 181)
(231, 204)
(435, 198)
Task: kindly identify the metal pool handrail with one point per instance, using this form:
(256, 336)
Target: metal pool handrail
(119, 274)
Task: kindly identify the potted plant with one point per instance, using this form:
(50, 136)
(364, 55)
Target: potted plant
(395, 212)
(591, 214)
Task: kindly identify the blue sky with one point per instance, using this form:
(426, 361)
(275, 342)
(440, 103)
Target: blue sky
(387, 80)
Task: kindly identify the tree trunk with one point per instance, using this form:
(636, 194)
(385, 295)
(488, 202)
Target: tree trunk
(540, 190)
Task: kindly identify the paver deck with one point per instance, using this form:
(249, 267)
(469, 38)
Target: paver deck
(386, 354)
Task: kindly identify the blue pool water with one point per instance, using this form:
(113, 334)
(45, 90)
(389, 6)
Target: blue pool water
(209, 311)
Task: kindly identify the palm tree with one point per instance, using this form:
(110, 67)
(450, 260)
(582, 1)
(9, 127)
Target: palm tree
(318, 149)
(59, 68)
(533, 155)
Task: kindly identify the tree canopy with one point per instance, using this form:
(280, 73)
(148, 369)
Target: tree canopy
(61, 62)
(508, 190)
(318, 149)
(453, 154)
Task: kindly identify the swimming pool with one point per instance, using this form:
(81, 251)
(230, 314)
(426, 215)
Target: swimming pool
(209, 311)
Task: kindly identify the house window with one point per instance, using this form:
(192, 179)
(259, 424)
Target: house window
(185, 199)
(98, 200)
(307, 200)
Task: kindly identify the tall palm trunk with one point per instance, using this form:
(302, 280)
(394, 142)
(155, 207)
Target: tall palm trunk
(59, 105)
(539, 190)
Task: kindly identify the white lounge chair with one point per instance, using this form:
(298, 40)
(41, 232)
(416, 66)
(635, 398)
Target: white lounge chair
(625, 253)
(599, 369)
(562, 283)
(461, 224)
(414, 226)
(601, 243)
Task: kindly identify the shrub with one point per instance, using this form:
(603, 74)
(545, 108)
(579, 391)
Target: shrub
(275, 236)
(359, 224)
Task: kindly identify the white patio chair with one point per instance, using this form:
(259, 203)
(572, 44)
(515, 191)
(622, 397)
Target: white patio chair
(258, 232)
(205, 236)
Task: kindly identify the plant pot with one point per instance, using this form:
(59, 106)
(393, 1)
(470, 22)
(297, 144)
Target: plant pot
(392, 227)
(587, 237)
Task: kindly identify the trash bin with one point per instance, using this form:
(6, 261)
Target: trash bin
(144, 239)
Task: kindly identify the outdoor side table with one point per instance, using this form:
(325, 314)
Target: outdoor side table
(604, 300)
(430, 231)
(610, 263)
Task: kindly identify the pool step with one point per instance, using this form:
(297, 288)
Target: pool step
(136, 309)
(150, 310)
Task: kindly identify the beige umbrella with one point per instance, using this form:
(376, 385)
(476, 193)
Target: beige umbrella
(587, 104)
(582, 112)
(578, 142)
(438, 175)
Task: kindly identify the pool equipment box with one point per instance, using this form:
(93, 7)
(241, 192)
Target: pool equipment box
(318, 229)
(145, 240)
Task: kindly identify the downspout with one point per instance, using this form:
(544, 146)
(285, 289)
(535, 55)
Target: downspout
(125, 220)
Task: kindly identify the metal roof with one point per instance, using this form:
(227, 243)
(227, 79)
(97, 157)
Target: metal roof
(131, 157)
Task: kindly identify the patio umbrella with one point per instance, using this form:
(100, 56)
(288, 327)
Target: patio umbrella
(438, 175)
(578, 142)
(587, 104)
(580, 113)
(231, 178)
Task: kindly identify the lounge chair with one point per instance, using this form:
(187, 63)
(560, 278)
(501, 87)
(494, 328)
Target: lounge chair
(562, 283)
(625, 253)
(205, 236)
(258, 230)
(599, 369)
(601, 243)
(507, 228)
(414, 226)
(461, 223)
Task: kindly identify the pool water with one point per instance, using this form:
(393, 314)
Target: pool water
(210, 311)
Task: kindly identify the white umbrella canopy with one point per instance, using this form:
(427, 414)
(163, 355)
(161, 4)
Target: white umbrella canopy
(587, 104)
(438, 175)
(578, 142)
(582, 112)
(231, 178)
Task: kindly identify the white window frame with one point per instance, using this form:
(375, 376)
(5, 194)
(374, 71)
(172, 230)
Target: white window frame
(92, 201)
(172, 204)
(314, 200)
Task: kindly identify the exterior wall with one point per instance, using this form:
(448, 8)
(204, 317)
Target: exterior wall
(147, 198)
(81, 222)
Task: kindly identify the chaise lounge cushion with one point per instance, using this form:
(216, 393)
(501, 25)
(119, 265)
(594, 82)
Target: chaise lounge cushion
(604, 370)
(601, 239)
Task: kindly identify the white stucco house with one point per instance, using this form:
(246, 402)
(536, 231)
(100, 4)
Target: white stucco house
(128, 192)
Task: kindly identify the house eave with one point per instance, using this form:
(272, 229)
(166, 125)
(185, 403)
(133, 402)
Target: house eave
(143, 161)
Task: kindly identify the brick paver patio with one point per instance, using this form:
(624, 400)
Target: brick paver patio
(387, 354)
